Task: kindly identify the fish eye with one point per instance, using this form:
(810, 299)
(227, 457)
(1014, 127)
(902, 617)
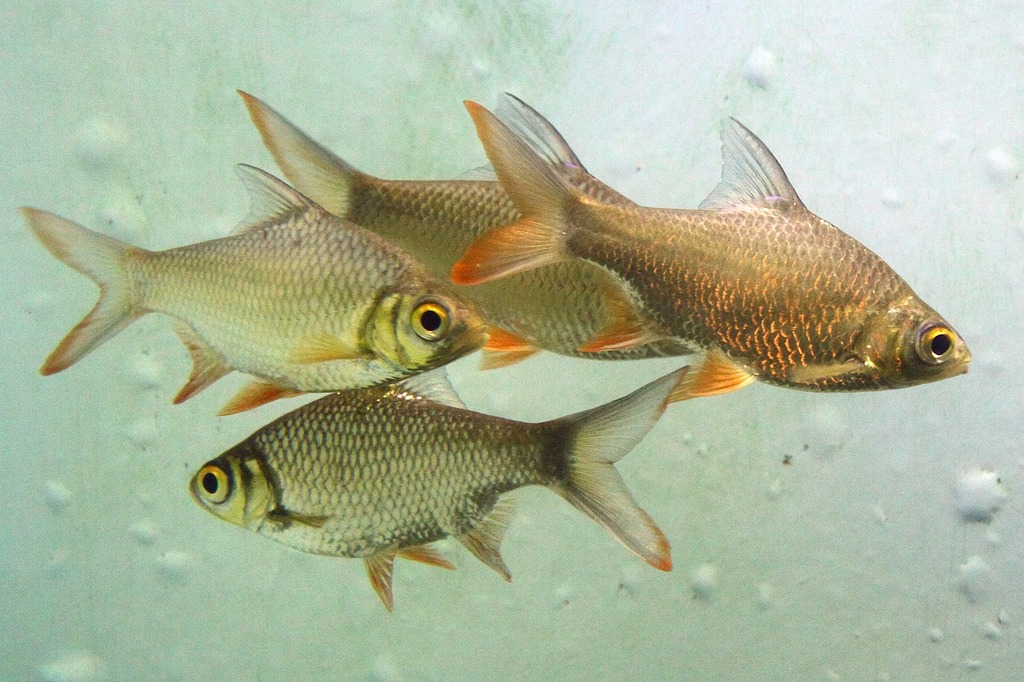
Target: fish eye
(430, 321)
(214, 483)
(935, 344)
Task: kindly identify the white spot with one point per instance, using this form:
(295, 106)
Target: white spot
(775, 489)
(765, 596)
(145, 532)
(972, 664)
(975, 577)
(38, 303)
(880, 516)
(142, 433)
(979, 494)
(148, 372)
(1001, 166)
(704, 579)
(761, 68)
(174, 565)
(57, 495)
(99, 142)
(891, 198)
(935, 635)
(992, 631)
(561, 597)
(80, 666)
(384, 671)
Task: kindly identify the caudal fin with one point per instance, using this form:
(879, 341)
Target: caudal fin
(540, 194)
(102, 259)
(313, 170)
(602, 436)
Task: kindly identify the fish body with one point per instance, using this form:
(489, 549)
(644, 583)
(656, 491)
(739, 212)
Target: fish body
(770, 290)
(557, 308)
(299, 298)
(382, 472)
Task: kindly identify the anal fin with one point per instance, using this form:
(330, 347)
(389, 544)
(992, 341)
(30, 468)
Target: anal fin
(254, 394)
(426, 555)
(207, 364)
(504, 348)
(380, 569)
(715, 375)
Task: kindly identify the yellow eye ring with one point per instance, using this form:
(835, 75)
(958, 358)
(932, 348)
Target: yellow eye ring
(430, 321)
(935, 344)
(214, 483)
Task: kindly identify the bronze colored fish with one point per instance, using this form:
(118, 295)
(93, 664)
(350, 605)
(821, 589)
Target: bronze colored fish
(383, 472)
(556, 308)
(769, 289)
(298, 297)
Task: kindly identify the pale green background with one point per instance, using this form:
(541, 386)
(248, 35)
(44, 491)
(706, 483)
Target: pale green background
(903, 123)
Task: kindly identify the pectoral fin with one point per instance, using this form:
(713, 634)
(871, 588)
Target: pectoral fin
(717, 374)
(503, 348)
(207, 364)
(285, 517)
(255, 394)
(380, 568)
(624, 329)
(812, 374)
(323, 348)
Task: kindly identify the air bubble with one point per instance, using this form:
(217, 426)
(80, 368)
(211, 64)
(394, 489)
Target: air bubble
(761, 68)
(561, 597)
(142, 433)
(975, 576)
(972, 664)
(145, 532)
(935, 635)
(704, 579)
(74, 667)
(99, 143)
(175, 565)
(992, 631)
(765, 596)
(892, 198)
(979, 494)
(148, 372)
(57, 495)
(38, 303)
(1001, 166)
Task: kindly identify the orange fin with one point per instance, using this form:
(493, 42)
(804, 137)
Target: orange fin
(324, 348)
(380, 568)
(484, 540)
(207, 364)
(255, 394)
(625, 328)
(523, 245)
(426, 555)
(716, 375)
(503, 348)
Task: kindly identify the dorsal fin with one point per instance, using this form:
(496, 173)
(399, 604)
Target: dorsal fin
(751, 176)
(538, 132)
(272, 200)
(433, 385)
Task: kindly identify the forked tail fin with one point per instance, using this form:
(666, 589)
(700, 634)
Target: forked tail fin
(597, 439)
(102, 259)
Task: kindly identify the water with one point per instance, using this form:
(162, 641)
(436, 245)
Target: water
(815, 537)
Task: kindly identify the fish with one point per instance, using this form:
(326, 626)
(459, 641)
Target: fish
(297, 297)
(766, 289)
(556, 309)
(384, 472)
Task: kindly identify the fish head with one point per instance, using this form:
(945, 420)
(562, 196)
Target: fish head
(234, 487)
(419, 331)
(910, 344)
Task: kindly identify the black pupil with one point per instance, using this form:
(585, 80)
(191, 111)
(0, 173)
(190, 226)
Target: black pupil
(430, 320)
(941, 343)
(210, 483)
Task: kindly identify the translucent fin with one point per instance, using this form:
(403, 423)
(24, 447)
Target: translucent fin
(602, 436)
(503, 348)
(254, 394)
(539, 193)
(380, 568)
(323, 177)
(426, 555)
(816, 373)
(483, 173)
(272, 200)
(751, 176)
(285, 517)
(484, 540)
(715, 375)
(207, 364)
(625, 328)
(324, 348)
(100, 258)
(433, 385)
(538, 132)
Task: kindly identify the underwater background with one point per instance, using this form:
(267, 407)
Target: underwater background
(874, 536)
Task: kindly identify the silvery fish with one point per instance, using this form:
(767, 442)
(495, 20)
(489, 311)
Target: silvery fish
(771, 291)
(383, 472)
(556, 308)
(297, 297)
